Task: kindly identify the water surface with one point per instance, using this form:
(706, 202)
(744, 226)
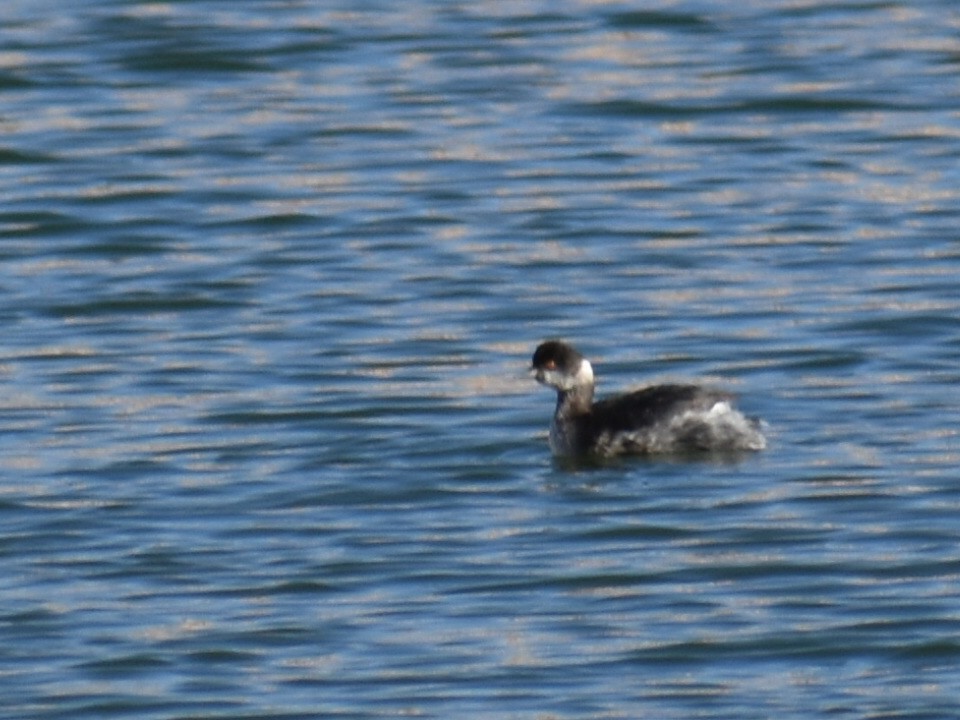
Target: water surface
(273, 275)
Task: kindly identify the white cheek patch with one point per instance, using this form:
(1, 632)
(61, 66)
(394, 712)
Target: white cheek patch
(563, 381)
(553, 378)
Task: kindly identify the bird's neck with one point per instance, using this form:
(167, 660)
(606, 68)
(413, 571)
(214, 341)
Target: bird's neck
(576, 395)
(574, 401)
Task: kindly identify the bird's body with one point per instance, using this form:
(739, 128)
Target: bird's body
(660, 419)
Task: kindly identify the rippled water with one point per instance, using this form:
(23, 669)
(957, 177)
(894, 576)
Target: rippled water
(273, 273)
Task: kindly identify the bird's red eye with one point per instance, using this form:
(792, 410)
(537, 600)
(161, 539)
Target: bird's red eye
(550, 365)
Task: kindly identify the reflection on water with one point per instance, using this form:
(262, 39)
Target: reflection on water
(273, 277)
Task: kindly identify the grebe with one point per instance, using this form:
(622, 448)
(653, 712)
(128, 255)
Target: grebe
(661, 419)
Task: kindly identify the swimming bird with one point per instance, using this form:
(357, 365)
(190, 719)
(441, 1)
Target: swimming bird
(660, 419)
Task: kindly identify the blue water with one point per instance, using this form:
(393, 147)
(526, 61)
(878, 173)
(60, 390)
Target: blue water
(272, 276)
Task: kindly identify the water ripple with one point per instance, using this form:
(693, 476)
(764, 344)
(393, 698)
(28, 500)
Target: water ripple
(273, 278)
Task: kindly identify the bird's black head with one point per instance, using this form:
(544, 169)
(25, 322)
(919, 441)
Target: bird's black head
(556, 355)
(560, 365)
